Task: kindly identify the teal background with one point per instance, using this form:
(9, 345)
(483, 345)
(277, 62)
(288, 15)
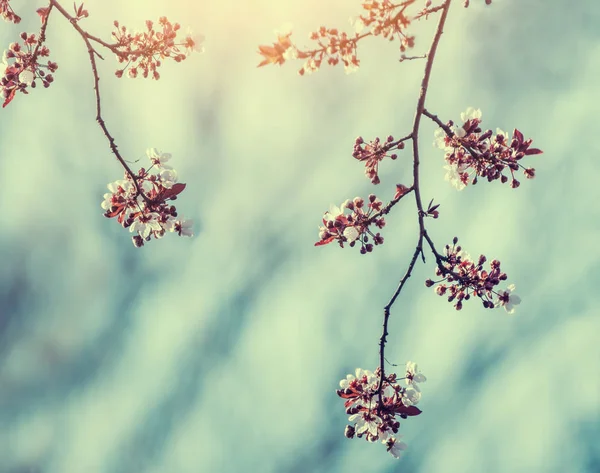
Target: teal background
(223, 352)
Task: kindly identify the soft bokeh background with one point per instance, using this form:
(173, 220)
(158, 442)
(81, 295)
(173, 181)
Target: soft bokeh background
(222, 353)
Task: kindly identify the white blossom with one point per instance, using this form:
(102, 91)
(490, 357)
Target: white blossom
(366, 422)
(513, 300)
(459, 131)
(26, 77)
(395, 447)
(411, 396)
(413, 375)
(158, 158)
(453, 177)
(146, 226)
(193, 42)
(351, 234)
(470, 114)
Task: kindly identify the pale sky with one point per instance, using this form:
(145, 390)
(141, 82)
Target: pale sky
(222, 353)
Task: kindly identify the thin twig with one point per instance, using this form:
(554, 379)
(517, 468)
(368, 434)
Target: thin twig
(42, 35)
(99, 119)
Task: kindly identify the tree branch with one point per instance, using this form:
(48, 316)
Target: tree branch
(92, 52)
(417, 191)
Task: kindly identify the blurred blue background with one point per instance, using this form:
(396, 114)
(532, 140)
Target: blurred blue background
(223, 352)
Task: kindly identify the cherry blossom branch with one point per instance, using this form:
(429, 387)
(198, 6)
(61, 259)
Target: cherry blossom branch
(111, 141)
(373, 400)
(141, 201)
(336, 46)
(417, 190)
(386, 317)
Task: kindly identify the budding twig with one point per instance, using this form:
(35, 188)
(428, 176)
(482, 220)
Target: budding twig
(92, 52)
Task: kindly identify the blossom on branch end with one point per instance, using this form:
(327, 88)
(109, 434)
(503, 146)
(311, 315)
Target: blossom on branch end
(353, 226)
(144, 51)
(373, 152)
(463, 277)
(141, 202)
(382, 18)
(373, 405)
(387, 19)
(472, 153)
(21, 67)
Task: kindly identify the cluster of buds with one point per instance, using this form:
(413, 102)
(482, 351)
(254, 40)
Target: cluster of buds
(7, 13)
(333, 48)
(387, 19)
(144, 52)
(462, 278)
(374, 404)
(373, 152)
(382, 18)
(353, 226)
(471, 153)
(141, 202)
(21, 67)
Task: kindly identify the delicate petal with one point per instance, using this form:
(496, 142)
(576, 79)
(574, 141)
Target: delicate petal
(351, 234)
(26, 77)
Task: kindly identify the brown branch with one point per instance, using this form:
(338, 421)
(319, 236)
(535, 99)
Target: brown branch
(417, 192)
(92, 52)
(439, 122)
(411, 58)
(388, 207)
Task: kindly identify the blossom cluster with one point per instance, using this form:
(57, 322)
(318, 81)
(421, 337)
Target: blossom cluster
(141, 202)
(374, 404)
(352, 226)
(463, 277)
(387, 19)
(334, 47)
(471, 153)
(7, 13)
(373, 152)
(382, 18)
(22, 68)
(144, 51)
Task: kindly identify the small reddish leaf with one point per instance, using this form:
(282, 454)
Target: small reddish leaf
(172, 192)
(401, 189)
(531, 151)
(324, 242)
(11, 96)
(409, 411)
(272, 55)
(518, 135)
(43, 12)
(344, 395)
(114, 213)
